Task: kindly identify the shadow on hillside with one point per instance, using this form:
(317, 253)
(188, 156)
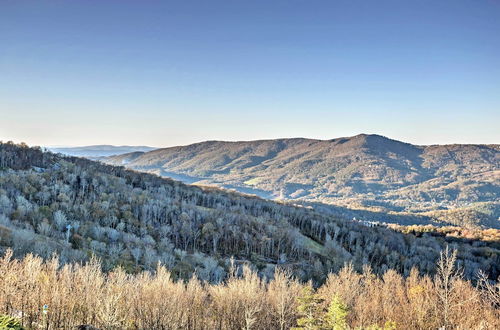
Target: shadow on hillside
(344, 212)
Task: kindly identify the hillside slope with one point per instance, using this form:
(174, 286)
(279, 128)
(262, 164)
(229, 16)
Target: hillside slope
(136, 219)
(364, 171)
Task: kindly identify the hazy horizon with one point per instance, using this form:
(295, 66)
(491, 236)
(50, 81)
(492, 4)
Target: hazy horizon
(219, 140)
(119, 142)
(164, 74)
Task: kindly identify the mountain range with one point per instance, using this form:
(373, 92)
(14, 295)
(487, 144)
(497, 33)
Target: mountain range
(76, 208)
(368, 172)
(97, 151)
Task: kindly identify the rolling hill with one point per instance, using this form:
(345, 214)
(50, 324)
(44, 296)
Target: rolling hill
(368, 172)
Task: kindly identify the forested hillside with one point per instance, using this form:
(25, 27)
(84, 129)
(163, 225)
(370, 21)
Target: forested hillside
(368, 172)
(135, 219)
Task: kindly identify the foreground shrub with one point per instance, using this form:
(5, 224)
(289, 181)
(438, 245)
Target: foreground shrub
(78, 294)
(7, 322)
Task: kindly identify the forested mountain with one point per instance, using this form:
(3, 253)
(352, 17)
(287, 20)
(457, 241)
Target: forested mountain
(78, 207)
(368, 172)
(99, 150)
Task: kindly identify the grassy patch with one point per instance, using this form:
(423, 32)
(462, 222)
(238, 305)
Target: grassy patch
(314, 246)
(253, 181)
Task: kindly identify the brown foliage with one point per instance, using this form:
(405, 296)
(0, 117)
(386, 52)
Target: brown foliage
(83, 294)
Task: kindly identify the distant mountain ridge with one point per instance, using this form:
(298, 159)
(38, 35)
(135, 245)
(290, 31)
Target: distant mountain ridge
(95, 151)
(366, 171)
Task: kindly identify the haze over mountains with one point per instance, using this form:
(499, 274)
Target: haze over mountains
(98, 150)
(365, 171)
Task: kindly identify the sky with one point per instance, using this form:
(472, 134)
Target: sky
(164, 73)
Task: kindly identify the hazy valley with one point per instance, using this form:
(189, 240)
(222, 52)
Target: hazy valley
(98, 151)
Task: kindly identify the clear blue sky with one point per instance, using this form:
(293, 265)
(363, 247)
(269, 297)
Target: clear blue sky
(165, 73)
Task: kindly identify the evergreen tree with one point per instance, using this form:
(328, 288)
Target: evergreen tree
(336, 316)
(309, 307)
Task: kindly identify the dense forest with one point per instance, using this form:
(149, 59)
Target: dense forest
(77, 208)
(114, 248)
